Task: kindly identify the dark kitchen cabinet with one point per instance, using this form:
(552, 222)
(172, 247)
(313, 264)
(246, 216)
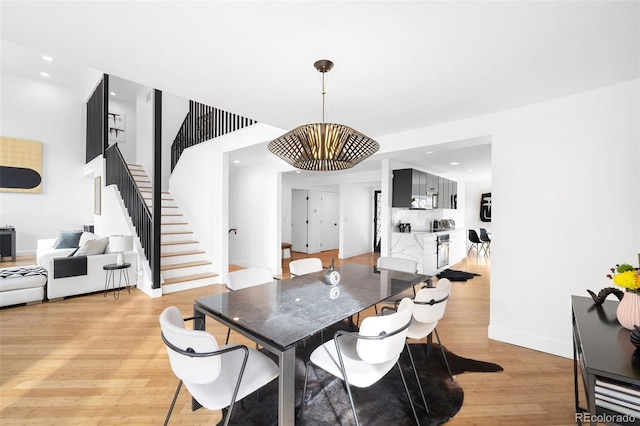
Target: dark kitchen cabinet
(402, 188)
(411, 186)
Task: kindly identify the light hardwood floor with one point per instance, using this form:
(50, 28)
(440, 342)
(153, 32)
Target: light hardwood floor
(93, 360)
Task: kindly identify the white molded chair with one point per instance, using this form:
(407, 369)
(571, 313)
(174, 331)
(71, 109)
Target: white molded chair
(429, 308)
(216, 377)
(361, 359)
(249, 277)
(398, 264)
(305, 266)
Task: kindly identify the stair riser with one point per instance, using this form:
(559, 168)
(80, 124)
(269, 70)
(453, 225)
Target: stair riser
(173, 219)
(174, 228)
(176, 248)
(187, 285)
(181, 272)
(175, 260)
(176, 237)
(165, 203)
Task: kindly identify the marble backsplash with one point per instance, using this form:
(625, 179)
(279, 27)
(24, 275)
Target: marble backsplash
(420, 220)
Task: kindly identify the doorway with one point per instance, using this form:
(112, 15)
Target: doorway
(314, 220)
(377, 224)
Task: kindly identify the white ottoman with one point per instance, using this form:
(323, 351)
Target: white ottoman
(22, 284)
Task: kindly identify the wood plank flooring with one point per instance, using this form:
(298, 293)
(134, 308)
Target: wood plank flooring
(93, 360)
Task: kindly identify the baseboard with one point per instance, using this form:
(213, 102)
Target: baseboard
(536, 343)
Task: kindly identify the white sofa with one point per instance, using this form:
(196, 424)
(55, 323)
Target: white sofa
(22, 284)
(63, 281)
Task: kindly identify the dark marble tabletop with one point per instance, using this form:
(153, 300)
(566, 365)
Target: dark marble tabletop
(287, 311)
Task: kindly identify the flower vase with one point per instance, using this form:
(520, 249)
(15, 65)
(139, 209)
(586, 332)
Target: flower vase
(628, 311)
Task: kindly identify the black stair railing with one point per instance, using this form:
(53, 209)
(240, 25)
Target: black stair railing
(97, 106)
(202, 123)
(118, 174)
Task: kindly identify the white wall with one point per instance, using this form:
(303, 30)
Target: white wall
(255, 212)
(128, 147)
(54, 115)
(201, 186)
(356, 220)
(560, 169)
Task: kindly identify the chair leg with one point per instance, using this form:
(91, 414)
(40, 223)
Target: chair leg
(406, 388)
(228, 334)
(444, 357)
(304, 390)
(415, 371)
(353, 406)
(175, 397)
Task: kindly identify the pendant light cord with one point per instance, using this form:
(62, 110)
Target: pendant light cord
(324, 92)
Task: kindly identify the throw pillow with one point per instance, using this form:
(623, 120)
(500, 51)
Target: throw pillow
(68, 239)
(86, 236)
(93, 247)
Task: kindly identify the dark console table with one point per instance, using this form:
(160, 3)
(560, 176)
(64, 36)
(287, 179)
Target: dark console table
(8, 243)
(604, 358)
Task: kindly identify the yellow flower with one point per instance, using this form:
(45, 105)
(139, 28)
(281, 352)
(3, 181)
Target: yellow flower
(627, 280)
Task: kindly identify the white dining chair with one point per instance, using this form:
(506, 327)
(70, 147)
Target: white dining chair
(305, 266)
(362, 358)
(398, 264)
(243, 278)
(248, 277)
(429, 308)
(213, 375)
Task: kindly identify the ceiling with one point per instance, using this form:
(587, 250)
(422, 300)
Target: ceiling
(399, 66)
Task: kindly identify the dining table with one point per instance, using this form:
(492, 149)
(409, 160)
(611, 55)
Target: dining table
(280, 314)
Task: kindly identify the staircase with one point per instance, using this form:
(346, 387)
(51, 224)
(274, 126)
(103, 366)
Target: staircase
(182, 263)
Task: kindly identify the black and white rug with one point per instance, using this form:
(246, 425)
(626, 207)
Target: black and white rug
(384, 403)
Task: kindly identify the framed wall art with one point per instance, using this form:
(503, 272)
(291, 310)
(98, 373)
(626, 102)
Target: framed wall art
(20, 165)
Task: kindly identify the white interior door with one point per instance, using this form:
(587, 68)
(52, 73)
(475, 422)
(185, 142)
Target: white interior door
(299, 220)
(330, 217)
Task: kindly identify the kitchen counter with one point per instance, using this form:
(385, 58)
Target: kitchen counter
(421, 246)
(448, 231)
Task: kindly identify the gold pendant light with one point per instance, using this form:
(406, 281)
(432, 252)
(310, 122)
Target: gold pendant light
(323, 146)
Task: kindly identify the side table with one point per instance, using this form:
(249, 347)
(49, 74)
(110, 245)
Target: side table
(8, 243)
(111, 268)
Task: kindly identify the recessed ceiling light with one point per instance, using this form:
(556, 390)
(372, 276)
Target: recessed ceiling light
(454, 163)
(47, 58)
(429, 152)
(469, 170)
(112, 93)
(236, 161)
(298, 171)
(44, 74)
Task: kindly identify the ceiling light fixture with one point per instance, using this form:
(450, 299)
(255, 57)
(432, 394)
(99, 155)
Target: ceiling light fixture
(323, 146)
(47, 58)
(454, 163)
(44, 74)
(112, 93)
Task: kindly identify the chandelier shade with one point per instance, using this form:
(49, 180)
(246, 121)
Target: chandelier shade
(323, 146)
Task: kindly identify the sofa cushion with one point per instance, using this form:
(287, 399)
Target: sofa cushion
(68, 239)
(19, 278)
(86, 236)
(93, 247)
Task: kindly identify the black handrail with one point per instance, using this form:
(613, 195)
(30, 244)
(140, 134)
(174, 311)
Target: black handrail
(118, 174)
(204, 122)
